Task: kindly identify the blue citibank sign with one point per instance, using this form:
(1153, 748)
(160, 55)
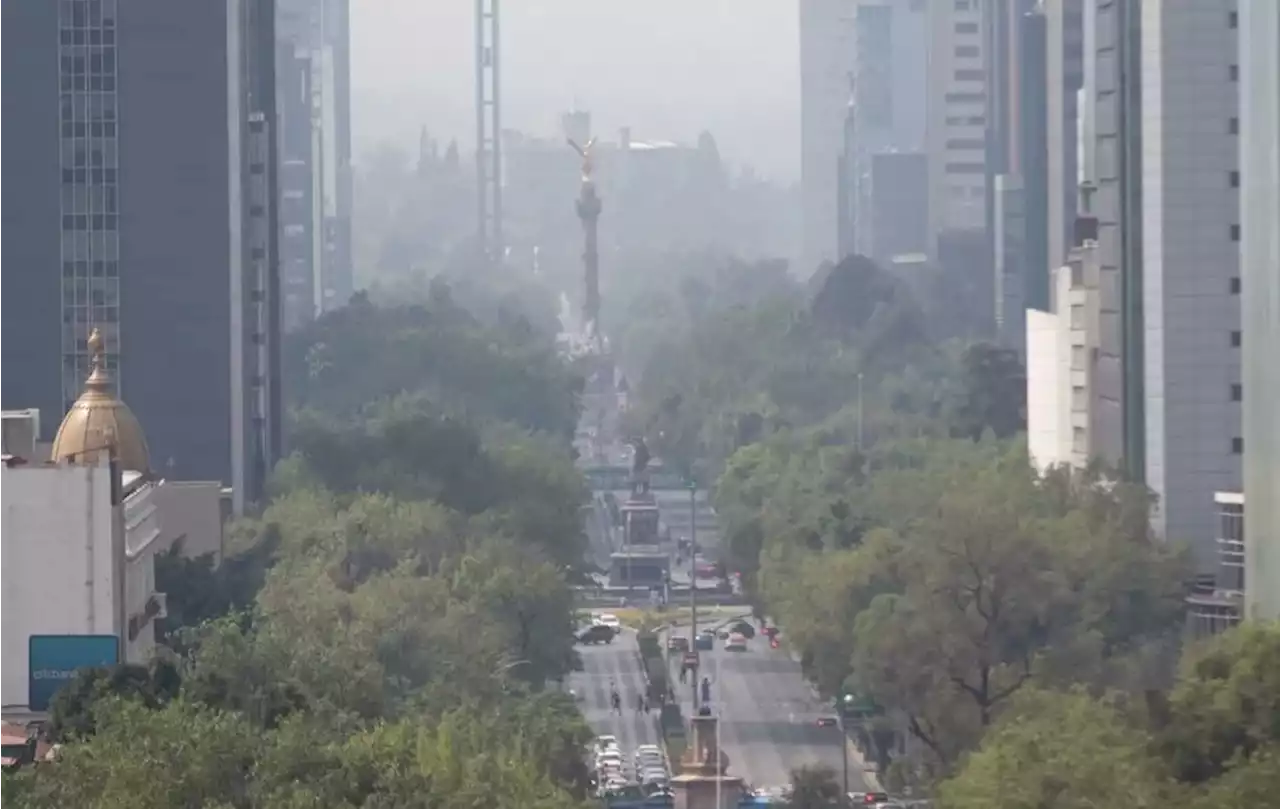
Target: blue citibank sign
(54, 659)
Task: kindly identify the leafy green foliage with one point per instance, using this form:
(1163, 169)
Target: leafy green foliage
(1060, 751)
(364, 354)
(384, 631)
(815, 787)
(1226, 703)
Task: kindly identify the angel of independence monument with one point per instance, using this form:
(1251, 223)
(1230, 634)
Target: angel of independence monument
(599, 362)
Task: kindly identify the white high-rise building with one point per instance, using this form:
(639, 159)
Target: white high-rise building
(827, 64)
(956, 122)
(1190, 273)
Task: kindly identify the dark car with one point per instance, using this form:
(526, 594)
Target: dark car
(599, 633)
(744, 628)
(827, 722)
(678, 643)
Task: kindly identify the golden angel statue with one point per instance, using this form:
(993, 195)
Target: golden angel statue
(586, 151)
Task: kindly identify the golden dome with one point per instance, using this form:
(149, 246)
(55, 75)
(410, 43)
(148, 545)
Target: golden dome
(98, 421)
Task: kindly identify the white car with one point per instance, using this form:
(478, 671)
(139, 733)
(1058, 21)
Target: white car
(736, 642)
(608, 619)
(606, 742)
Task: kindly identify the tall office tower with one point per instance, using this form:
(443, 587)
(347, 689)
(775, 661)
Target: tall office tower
(139, 200)
(827, 61)
(1064, 74)
(1191, 258)
(1117, 174)
(1259, 71)
(887, 104)
(1006, 204)
(314, 81)
(1033, 156)
(956, 119)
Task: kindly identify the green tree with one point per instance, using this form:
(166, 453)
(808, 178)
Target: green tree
(1060, 751)
(179, 755)
(1225, 705)
(992, 394)
(73, 712)
(815, 787)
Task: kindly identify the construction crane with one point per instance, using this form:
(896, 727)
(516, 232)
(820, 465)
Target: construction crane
(488, 134)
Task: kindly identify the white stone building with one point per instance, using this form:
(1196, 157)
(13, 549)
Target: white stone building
(80, 533)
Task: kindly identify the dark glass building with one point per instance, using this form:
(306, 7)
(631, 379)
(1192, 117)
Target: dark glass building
(139, 198)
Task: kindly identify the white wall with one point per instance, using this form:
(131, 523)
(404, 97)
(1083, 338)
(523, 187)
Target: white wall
(1048, 438)
(57, 573)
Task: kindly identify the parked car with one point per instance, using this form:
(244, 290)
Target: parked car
(678, 643)
(737, 642)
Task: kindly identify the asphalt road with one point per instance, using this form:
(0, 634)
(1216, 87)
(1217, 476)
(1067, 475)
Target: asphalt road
(769, 717)
(615, 663)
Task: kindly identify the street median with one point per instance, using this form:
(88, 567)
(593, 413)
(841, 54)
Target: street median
(653, 663)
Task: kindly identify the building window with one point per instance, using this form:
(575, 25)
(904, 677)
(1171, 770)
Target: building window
(1235, 339)
(1077, 316)
(972, 144)
(965, 168)
(1237, 446)
(963, 5)
(1235, 285)
(1233, 19)
(1233, 125)
(965, 98)
(969, 74)
(1235, 233)
(1233, 178)
(966, 28)
(1233, 72)
(967, 51)
(1237, 392)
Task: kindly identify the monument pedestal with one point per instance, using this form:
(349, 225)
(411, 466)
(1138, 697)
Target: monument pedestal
(702, 782)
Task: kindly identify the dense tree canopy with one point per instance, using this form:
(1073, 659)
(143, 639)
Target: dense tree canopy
(388, 630)
(874, 488)
(358, 356)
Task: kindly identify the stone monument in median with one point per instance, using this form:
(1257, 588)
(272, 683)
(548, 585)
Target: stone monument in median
(703, 769)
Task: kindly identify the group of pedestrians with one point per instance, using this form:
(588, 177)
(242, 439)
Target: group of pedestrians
(615, 700)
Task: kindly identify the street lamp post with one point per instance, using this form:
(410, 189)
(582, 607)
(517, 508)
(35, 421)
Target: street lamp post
(693, 583)
(844, 753)
(859, 411)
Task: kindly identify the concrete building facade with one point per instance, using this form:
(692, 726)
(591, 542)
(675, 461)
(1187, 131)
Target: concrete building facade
(886, 112)
(1073, 414)
(313, 74)
(139, 200)
(1191, 247)
(1259, 31)
(956, 118)
(1064, 76)
(827, 62)
(1114, 113)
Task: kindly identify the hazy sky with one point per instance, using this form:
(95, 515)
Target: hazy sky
(666, 68)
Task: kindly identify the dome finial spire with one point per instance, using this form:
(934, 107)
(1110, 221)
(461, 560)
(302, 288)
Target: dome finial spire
(97, 345)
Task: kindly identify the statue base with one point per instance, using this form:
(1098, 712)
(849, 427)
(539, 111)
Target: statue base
(702, 782)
